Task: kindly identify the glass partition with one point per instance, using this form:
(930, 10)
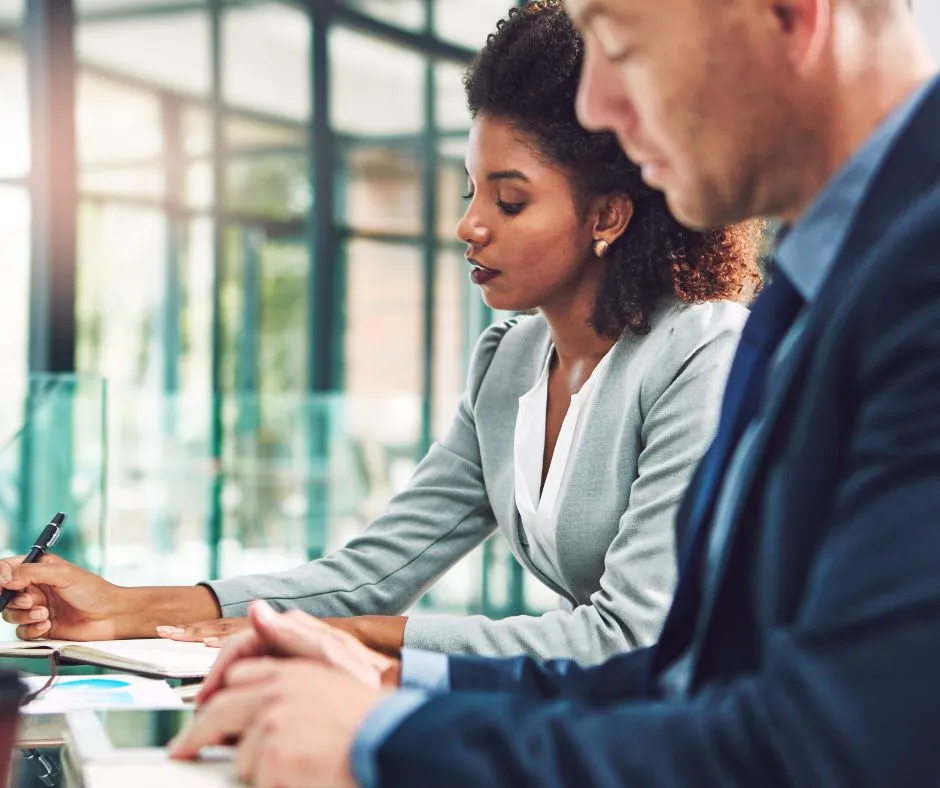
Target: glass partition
(53, 457)
(201, 293)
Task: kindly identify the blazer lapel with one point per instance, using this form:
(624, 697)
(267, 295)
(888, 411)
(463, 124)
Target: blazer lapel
(590, 459)
(527, 369)
(910, 168)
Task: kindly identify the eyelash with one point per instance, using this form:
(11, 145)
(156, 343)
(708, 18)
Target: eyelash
(620, 57)
(508, 208)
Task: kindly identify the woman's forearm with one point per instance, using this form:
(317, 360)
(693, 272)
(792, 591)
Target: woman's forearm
(143, 609)
(382, 633)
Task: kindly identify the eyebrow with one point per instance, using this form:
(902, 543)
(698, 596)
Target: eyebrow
(592, 9)
(504, 175)
(587, 13)
(507, 175)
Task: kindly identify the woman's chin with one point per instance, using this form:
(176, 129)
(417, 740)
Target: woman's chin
(503, 302)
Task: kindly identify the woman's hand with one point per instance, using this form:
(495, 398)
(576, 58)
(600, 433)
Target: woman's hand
(208, 632)
(56, 599)
(384, 634)
(297, 634)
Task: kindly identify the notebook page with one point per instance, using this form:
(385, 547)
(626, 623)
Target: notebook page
(168, 656)
(13, 646)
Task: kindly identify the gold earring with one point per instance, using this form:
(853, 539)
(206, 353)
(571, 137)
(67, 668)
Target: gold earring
(600, 247)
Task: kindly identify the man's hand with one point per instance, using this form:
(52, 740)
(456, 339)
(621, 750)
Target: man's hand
(297, 634)
(57, 599)
(295, 722)
(209, 632)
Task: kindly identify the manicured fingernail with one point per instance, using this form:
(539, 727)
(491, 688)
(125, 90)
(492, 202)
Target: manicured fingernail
(5, 574)
(266, 612)
(38, 613)
(210, 640)
(170, 630)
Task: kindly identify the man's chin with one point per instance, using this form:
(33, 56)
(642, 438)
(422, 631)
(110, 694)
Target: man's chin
(691, 215)
(699, 214)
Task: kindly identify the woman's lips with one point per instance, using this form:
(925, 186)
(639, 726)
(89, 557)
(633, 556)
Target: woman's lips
(480, 274)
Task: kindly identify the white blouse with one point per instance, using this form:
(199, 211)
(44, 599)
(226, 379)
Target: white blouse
(539, 511)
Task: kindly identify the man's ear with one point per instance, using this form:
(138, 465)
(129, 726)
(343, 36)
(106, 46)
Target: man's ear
(805, 26)
(612, 216)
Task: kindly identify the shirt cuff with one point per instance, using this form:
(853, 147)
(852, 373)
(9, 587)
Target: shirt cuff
(425, 670)
(378, 726)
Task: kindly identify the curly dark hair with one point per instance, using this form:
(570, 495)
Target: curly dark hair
(528, 74)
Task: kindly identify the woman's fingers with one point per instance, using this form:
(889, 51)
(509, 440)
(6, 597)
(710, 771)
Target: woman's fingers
(199, 631)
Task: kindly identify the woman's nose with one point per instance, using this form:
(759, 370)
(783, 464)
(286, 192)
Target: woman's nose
(471, 230)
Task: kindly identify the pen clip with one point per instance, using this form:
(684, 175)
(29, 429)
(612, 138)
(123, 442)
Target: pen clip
(54, 538)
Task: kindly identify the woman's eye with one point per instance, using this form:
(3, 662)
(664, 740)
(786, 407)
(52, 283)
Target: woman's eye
(510, 208)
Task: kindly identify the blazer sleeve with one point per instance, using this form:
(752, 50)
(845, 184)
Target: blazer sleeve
(624, 677)
(683, 393)
(845, 694)
(442, 515)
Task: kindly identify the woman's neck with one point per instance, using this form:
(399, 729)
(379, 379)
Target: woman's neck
(575, 341)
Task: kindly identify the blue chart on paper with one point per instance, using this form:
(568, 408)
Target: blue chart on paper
(92, 684)
(101, 692)
(100, 689)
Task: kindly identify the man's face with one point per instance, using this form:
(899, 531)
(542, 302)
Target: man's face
(702, 94)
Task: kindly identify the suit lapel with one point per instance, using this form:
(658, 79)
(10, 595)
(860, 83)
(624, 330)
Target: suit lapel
(910, 168)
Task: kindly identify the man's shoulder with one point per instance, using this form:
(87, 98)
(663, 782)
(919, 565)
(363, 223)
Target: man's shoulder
(896, 268)
(917, 223)
(906, 258)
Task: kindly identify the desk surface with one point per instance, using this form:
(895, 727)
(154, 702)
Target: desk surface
(44, 738)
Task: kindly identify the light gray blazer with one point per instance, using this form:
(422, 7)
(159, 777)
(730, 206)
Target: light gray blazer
(653, 415)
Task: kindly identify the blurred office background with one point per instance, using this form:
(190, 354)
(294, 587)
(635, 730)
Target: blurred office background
(233, 313)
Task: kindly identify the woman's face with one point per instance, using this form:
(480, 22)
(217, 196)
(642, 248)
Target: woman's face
(527, 244)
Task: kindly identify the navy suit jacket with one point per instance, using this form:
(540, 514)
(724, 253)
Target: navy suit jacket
(817, 659)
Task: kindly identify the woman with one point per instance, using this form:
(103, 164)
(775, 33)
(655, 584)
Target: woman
(580, 425)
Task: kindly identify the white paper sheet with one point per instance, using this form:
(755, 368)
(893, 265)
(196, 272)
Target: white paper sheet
(110, 691)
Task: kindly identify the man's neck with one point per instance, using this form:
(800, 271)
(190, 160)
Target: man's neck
(874, 76)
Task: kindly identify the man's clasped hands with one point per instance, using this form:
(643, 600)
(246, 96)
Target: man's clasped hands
(290, 692)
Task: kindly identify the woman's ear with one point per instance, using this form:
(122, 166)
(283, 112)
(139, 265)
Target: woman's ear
(612, 217)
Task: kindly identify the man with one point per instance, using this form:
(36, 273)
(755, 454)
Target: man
(803, 647)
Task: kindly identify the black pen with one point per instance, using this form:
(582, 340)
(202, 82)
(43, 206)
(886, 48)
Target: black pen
(48, 537)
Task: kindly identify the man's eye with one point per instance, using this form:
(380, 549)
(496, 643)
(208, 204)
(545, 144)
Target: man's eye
(620, 55)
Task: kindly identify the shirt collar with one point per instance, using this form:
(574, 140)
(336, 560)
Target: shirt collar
(808, 251)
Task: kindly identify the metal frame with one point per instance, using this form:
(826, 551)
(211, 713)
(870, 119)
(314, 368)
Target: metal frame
(50, 56)
(53, 180)
(215, 523)
(429, 193)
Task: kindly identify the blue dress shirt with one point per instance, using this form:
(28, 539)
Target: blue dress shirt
(806, 255)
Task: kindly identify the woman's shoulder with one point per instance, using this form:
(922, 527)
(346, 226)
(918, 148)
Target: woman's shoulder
(515, 333)
(681, 332)
(700, 323)
(509, 339)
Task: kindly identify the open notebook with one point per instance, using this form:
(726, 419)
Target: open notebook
(155, 657)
